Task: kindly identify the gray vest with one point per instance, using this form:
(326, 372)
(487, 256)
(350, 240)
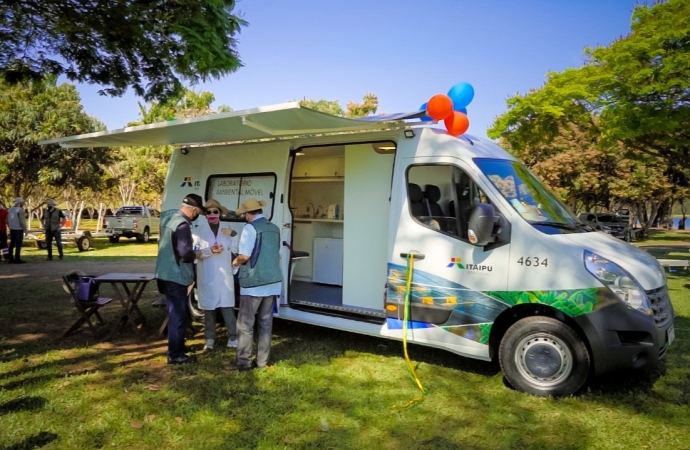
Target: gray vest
(263, 266)
(166, 265)
(51, 220)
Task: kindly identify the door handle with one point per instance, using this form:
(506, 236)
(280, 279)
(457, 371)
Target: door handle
(418, 256)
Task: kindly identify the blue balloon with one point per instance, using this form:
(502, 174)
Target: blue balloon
(424, 118)
(461, 94)
(462, 110)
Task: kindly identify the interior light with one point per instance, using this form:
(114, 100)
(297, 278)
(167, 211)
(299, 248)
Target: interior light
(409, 134)
(299, 154)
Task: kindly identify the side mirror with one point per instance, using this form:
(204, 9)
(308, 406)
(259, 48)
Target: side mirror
(480, 229)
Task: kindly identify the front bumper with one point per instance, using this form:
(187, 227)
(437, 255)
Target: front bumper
(622, 338)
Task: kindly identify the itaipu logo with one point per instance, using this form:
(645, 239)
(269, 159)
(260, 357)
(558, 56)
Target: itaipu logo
(188, 182)
(456, 261)
(468, 266)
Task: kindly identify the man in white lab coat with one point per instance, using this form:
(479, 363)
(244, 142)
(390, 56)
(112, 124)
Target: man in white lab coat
(214, 279)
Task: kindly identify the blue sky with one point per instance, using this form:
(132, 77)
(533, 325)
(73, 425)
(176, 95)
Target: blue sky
(404, 51)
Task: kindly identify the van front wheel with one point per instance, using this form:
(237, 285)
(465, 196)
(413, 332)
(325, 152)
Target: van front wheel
(544, 357)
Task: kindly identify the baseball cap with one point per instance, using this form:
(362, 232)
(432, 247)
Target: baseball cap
(195, 200)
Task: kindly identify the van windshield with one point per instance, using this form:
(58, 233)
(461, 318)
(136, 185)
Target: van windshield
(527, 195)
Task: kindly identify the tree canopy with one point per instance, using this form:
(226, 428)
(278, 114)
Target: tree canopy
(369, 105)
(150, 46)
(617, 129)
(38, 110)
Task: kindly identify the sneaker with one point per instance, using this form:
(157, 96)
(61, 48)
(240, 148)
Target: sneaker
(236, 368)
(184, 359)
(232, 343)
(209, 344)
(60, 257)
(19, 261)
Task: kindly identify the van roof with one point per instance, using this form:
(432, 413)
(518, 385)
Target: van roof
(267, 122)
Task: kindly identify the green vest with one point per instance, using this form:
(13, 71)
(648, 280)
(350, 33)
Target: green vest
(166, 266)
(263, 266)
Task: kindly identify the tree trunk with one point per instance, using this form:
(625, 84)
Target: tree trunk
(681, 225)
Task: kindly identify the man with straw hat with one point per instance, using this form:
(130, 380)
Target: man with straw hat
(53, 220)
(16, 220)
(260, 283)
(214, 273)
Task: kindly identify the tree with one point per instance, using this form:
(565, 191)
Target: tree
(146, 45)
(40, 110)
(630, 104)
(369, 105)
(636, 89)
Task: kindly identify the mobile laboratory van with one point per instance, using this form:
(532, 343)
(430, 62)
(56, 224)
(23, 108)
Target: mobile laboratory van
(501, 269)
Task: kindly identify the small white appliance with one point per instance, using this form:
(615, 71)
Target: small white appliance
(333, 211)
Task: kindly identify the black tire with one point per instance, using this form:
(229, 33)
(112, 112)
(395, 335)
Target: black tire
(195, 311)
(144, 237)
(544, 357)
(83, 243)
(114, 239)
(41, 244)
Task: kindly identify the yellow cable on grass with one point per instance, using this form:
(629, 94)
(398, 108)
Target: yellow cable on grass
(406, 318)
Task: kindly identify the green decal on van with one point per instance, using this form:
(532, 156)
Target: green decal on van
(573, 302)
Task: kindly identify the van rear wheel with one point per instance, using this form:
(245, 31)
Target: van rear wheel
(544, 357)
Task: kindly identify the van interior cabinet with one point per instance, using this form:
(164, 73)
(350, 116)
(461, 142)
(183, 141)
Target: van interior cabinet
(328, 261)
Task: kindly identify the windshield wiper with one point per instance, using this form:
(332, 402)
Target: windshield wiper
(564, 226)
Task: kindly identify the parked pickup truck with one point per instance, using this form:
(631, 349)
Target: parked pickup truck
(132, 222)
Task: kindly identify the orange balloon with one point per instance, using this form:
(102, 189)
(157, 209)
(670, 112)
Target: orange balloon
(439, 107)
(457, 124)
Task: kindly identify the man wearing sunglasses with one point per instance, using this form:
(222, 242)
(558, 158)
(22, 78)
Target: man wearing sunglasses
(175, 271)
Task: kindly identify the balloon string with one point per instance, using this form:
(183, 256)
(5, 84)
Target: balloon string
(406, 318)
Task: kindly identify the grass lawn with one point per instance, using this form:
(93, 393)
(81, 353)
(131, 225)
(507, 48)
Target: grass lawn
(327, 389)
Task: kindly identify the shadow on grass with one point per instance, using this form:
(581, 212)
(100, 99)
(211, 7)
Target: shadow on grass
(36, 441)
(22, 404)
(320, 345)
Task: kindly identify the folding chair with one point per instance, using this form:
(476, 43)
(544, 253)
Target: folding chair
(87, 309)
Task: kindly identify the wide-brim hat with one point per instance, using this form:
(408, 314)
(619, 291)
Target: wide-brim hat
(213, 203)
(18, 200)
(251, 205)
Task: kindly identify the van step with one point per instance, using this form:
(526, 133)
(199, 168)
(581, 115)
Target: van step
(343, 309)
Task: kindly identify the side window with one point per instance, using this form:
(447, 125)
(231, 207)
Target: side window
(232, 190)
(441, 197)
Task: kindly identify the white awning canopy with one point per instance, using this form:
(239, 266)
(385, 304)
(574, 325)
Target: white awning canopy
(283, 120)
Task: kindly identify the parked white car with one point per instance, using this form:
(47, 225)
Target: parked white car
(138, 222)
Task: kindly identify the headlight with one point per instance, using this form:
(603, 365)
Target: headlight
(618, 281)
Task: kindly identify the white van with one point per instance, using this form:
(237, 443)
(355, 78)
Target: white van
(501, 268)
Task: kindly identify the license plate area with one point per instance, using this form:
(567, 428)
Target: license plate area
(670, 335)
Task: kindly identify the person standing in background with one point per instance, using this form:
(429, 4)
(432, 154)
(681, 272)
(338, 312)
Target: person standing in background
(214, 275)
(53, 220)
(16, 220)
(175, 271)
(5, 253)
(260, 283)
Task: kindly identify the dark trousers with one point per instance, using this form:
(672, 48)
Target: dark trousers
(3, 244)
(178, 317)
(261, 310)
(57, 234)
(16, 241)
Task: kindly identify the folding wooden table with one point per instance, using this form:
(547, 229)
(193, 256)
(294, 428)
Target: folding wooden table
(133, 285)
